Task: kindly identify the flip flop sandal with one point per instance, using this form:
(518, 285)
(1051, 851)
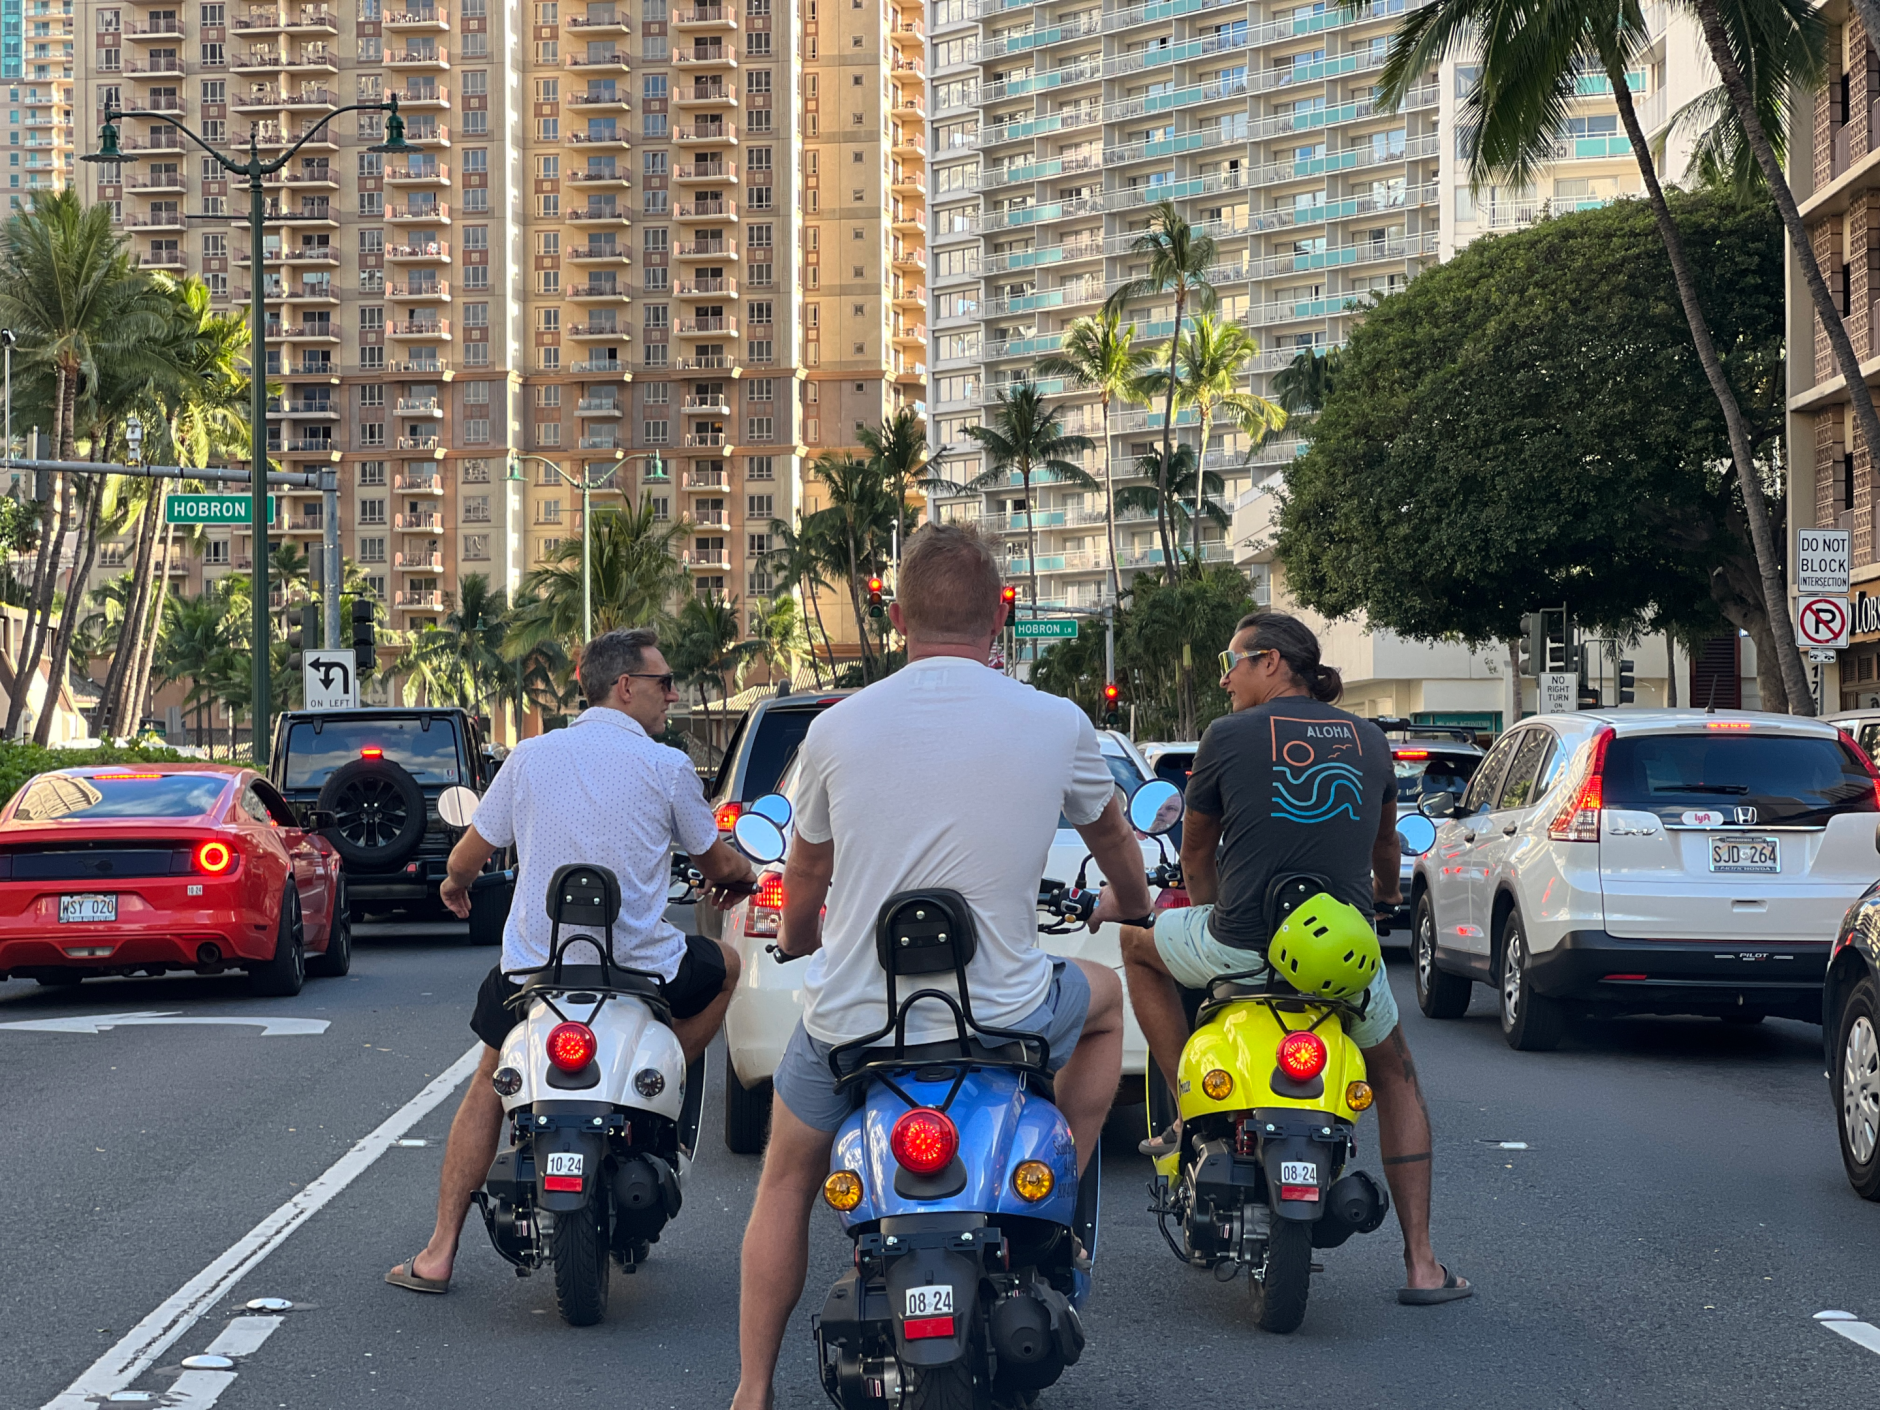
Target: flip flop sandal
(1155, 1147)
(1452, 1290)
(405, 1275)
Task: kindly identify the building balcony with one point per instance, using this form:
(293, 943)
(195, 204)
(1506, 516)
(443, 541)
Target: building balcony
(436, 213)
(596, 254)
(306, 411)
(706, 249)
(426, 252)
(156, 220)
(698, 18)
(421, 60)
(906, 107)
(418, 406)
(608, 442)
(701, 209)
(601, 178)
(271, 135)
(908, 35)
(713, 287)
(155, 31)
(605, 100)
(704, 482)
(155, 67)
(430, 600)
(306, 333)
(702, 440)
(414, 367)
(614, 140)
(601, 292)
(304, 526)
(706, 562)
(909, 183)
(423, 19)
(587, 28)
(422, 99)
(303, 294)
(705, 362)
(168, 140)
(419, 484)
(911, 335)
(706, 94)
(703, 135)
(717, 172)
(436, 292)
(611, 331)
(312, 445)
(706, 57)
(596, 406)
(425, 522)
(307, 19)
(614, 63)
(717, 326)
(907, 260)
(600, 367)
(310, 181)
(436, 174)
(597, 215)
(909, 223)
(310, 254)
(428, 133)
(310, 98)
(909, 300)
(418, 329)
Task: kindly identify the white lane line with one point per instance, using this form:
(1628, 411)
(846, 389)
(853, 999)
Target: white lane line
(243, 1336)
(271, 1027)
(197, 1390)
(153, 1336)
(1847, 1325)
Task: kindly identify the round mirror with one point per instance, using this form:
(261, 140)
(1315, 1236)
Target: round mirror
(773, 806)
(1156, 808)
(456, 806)
(1416, 834)
(758, 838)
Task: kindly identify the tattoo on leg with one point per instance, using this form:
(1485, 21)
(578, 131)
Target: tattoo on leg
(1415, 1159)
(1402, 1050)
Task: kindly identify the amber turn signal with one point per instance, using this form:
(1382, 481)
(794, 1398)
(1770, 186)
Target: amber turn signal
(843, 1190)
(1033, 1180)
(1358, 1096)
(1219, 1085)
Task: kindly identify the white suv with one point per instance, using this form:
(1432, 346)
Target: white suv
(1645, 861)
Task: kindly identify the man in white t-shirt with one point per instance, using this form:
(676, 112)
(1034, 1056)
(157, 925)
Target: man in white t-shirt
(946, 774)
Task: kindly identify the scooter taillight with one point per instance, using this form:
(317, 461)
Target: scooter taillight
(763, 919)
(571, 1046)
(1171, 898)
(924, 1141)
(1302, 1056)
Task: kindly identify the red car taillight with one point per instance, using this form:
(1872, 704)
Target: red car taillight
(1578, 819)
(1866, 762)
(1302, 1056)
(924, 1141)
(764, 918)
(728, 814)
(213, 858)
(571, 1046)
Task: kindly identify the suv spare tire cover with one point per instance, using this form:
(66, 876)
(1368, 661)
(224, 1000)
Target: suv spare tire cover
(379, 814)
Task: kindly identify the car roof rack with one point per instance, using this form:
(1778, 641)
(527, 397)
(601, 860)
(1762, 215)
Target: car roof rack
(1398, 724)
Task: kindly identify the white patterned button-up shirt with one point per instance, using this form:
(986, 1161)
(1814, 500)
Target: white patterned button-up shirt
(600, 791)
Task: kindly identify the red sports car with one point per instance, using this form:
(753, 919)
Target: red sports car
(120, 869)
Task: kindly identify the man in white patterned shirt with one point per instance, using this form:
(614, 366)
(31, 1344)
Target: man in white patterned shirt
(601, 791)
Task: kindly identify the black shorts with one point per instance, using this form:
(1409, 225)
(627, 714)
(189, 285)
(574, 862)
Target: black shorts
(701, 978)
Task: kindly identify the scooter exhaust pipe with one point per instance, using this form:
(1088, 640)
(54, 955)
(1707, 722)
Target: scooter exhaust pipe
(1356, 1204)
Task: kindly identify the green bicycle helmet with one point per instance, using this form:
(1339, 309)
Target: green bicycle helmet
(1326, 949)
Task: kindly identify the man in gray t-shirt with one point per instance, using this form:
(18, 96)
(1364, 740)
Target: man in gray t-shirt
(1288, 785)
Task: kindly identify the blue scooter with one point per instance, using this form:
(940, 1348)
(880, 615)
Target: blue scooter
(956, 1177)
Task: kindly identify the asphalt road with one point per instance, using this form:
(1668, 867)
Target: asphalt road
(1678, 1217)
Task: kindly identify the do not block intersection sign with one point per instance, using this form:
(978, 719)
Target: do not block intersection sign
(1822, 622)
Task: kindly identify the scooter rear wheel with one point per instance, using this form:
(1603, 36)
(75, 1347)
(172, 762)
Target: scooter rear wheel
(938, 1387)
(1279, 1298)
(578, 1250)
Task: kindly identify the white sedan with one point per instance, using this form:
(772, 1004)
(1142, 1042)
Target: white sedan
(769, 999)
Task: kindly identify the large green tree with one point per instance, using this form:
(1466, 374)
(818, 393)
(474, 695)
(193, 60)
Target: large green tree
(1528, 424)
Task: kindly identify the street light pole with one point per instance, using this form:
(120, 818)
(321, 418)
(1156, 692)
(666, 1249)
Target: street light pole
(587, 484)
(254, 168)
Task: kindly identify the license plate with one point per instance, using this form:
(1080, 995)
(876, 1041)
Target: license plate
(1732, 853)
(564, 1163)
(1298, 1172)
(935, 1300)
(81, 909)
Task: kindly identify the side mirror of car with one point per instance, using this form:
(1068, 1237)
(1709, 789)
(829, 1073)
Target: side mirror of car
(320, 819)
(1438, 805)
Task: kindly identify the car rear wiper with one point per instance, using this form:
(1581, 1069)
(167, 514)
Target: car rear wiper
(1702, 788)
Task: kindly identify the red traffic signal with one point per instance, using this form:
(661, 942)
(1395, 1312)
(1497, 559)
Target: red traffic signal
(874, 597)
(874, 587)
(1111, 693)
(1008, 595)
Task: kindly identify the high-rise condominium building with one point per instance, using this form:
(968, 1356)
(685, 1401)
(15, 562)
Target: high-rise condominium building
(1058, 124)
(36, 70)
(625, 229)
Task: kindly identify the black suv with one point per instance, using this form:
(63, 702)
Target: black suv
(379, 773)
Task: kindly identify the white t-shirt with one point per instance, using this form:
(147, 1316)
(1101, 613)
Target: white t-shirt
(604, 793)
(952, 775)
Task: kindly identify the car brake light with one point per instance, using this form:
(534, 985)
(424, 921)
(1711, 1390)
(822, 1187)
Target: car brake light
(213, 858)
(1729, 724)
(1302, 1056)
(120, 778)
(1578, 820)
(727, 816)
(1866, 763)
(770, 891)
(924, 1141)
(370, 752)
(571, 1046)
(763, 918)
(1409, 753)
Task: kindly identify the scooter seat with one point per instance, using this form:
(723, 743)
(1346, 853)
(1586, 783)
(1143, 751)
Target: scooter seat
(593, 976)
(928, 1054)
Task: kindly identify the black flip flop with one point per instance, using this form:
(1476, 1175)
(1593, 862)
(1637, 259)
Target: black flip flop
(1452, 1290)
(405, 1275)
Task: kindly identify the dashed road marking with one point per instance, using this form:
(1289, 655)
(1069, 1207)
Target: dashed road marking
(138, 1350)
(271, 1026)
(1848, 1325)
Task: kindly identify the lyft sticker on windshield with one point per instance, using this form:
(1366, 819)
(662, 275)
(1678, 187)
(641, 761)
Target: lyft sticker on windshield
(1702, 817)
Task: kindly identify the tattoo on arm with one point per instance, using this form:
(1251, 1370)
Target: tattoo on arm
(1414, 1159)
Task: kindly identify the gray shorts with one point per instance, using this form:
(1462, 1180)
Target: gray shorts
(804, 1083)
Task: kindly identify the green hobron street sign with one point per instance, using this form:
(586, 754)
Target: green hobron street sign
(1045, 627)
(211, 508)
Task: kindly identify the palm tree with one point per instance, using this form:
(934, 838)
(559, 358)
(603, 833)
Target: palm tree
(1184, 490)
(460, 659)
(795, 558)
(1211, 358)
(1302, 386)
(194, 635)
(1100, 353)
(1532, 63)
(898, 451)
(1179, 263)
(1025, 436)
(777, 627)
(852, 534)
(637, 575)
(707, 643)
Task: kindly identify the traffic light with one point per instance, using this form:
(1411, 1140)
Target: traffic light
(874, 597)
(1524, 645)
(1111, 696)
(364, 640)
(1628, 680)
(1009, 596)
(304, 635)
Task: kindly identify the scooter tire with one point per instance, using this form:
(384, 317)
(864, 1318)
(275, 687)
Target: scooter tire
(947, 1387)
(1279, 1299)
(578, 1250)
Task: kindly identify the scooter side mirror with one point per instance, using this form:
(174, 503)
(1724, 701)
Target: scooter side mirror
(758, 838)
(1156, 808)
(1416, 834)
(773, 806)
(456, 806)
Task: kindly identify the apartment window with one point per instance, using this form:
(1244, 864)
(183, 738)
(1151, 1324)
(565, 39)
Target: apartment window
(218, 285)
(761, 429)
(372, 359)
(372, 320)
(372, 550)
(548, 320)
(658, 316)
(476, 276)
(476, 45)
(476, 315)
(760, 506)
(371, 242)
(215, 246)
(654, 433)
(548, 433)
(653, 125)
(214, 56)
(371, 434)
(372, 204)
(653, 86)
(372, 472)
(476, 200)
(760, 310)
(548, 242)
(760, 467)
(476, 123)
(476, 237)
(662, 507)
(372, 511)
(763, 388)
(477, 472)
(549, 395)
(548, 90)
(658, 393)
(758, 120)
(478, 354)
(655, 241)
(476, 546)
(371, 281)
(758, 43)
(215, 552)
(546, 168)
(215, 90)
(546, 129)
(476, 82)
(476, 430)
(371, 51)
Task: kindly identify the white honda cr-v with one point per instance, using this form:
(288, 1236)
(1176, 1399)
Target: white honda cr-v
(1645, 861)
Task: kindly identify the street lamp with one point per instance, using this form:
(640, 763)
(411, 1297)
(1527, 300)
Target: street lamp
(587, 484)
(255, 169)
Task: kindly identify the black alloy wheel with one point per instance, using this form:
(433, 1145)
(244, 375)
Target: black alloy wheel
(336, 959)
(283, 974)
(378, 814)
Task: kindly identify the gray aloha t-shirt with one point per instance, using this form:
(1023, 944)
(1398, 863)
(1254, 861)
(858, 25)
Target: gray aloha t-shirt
(1299, 786)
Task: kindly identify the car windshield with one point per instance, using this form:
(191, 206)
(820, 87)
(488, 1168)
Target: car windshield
(778, 734)
(1127, 779)
(429, 755)
(119, 795)
(1783, 779)
(1422, 772)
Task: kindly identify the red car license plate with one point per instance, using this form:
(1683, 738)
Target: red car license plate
(87, 908)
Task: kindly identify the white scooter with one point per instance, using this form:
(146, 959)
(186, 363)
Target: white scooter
(603, 1114)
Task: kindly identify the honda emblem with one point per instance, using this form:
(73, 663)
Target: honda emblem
(1745, 816)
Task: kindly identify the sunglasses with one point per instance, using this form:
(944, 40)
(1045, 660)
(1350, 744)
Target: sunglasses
(1231, 659)
(665, 681)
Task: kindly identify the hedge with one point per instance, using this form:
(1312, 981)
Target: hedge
(21, 762)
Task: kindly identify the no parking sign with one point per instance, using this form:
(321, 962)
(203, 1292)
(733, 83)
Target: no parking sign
(1822, 621)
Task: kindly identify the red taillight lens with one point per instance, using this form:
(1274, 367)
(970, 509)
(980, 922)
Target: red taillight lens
(571, 1046)
(1578, 818)
(1866, 762)
(728, 816)
(770, 891)
(924, 1141)
(369, 752)
(1302, 1056)
(214, 858)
